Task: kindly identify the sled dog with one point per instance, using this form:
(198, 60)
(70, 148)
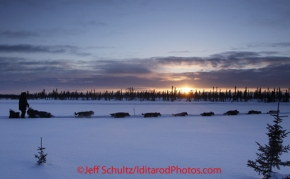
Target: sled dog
(232, 112)
(13, 114)
(84, 114)
(254, 112)
(181, 114)
(151, 114)
(207, 114)
(273, 112)
(120, 114)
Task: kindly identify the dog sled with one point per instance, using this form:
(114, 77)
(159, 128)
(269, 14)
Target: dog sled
(38, 114)
(13, 114)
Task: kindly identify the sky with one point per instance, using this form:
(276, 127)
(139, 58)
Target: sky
(79, 45)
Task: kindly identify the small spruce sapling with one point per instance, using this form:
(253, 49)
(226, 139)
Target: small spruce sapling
(41, 157)
(269, 156)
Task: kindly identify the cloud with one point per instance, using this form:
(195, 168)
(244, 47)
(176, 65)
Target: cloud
(123, 67)
(274, 76)
(179, 52)
(280, 44)
(269, 53)
(173, 77)
(224, 70)
(18, 34)
(272, 45)
(26, 48)
(24, 74)
(10, 66)
(30, 49)
(226, 60)
(235, 55)
(93, 23)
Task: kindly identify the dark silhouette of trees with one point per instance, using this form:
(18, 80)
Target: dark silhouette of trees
(130, 94)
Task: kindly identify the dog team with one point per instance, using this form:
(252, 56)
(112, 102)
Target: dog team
(23, 105)
(88, 114)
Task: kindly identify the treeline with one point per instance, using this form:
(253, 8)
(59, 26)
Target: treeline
(214, 95)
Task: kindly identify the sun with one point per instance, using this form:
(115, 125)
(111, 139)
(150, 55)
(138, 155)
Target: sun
(186, 89)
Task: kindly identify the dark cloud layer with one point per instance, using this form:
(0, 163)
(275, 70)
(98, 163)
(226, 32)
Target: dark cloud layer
(226, 71)
(227, 60)
(123, 68)
(274, 76)
(18, 34)
(26, 48)
(32, 49)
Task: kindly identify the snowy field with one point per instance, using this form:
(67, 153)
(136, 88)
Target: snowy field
(224, 142)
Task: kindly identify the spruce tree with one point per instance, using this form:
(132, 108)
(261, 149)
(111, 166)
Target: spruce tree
(41, 157)
(269, 156)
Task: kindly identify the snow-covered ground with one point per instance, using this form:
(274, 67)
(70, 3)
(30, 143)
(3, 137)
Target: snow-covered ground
(225, 142)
